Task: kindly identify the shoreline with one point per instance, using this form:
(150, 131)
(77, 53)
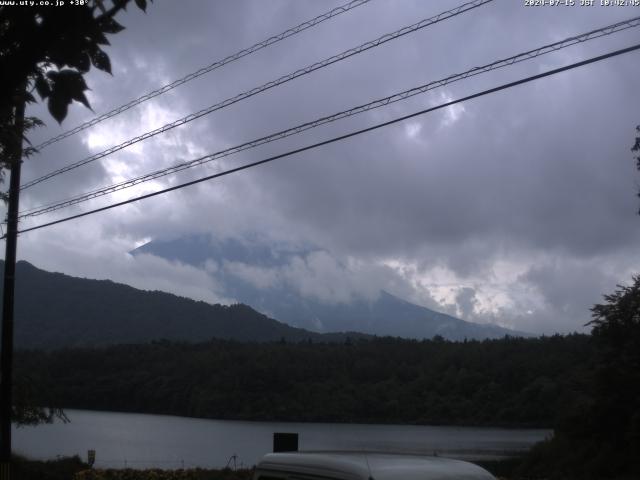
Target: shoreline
(505, 427)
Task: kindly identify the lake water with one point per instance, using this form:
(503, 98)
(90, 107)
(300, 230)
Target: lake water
(142, 441)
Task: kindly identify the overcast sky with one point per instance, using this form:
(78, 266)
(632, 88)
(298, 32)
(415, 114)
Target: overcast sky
(517, 208)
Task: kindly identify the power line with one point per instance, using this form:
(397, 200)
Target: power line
(209, 68)
(273, 83)
(341, 137)
(608, 30)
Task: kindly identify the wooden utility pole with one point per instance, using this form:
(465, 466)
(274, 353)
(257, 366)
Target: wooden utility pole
(6, 347)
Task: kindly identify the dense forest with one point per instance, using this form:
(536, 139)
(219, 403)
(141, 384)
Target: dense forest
(507, 382)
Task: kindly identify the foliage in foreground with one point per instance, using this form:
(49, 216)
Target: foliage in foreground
(602, 439)
(60, 469)
(156, 474)
(72, 468)
(49, 51)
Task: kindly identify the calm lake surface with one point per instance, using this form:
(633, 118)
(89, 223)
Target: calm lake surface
(142, 441)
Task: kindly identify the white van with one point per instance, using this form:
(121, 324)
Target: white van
(364, 466)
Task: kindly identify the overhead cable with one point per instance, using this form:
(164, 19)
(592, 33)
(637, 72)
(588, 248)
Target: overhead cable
(337, 139)
(209, 68)
(273, 83)
(593, 34)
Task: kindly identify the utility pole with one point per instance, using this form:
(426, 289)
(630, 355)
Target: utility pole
(6, 347)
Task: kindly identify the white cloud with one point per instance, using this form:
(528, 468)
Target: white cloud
(452, 113)
(518, 192)
(259, 277)
(412, 129)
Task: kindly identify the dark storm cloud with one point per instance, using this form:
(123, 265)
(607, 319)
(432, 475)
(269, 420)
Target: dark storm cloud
(524, 199)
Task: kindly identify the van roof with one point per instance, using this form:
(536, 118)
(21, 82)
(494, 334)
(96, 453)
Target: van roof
(369, 466)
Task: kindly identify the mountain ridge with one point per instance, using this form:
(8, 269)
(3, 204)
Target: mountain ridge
(92, 313)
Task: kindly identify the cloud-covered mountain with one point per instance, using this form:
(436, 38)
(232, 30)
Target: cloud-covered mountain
(308, 288)
(486, 205)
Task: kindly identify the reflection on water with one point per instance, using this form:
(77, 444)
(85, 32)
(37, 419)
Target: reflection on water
(141, 441)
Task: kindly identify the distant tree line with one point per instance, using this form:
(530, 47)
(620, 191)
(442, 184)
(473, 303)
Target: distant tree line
(507, 382)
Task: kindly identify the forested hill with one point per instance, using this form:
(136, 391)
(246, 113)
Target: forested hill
(508, 382)
(55, 310)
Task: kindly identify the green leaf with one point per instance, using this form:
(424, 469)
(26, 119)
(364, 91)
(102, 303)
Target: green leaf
(80, 97)
(109, 25)
(99, 38)
(69, 80)
(32, 122)
(42, 87)
(82, 62)
(58, 107)
(101, 60)
(66, 85)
